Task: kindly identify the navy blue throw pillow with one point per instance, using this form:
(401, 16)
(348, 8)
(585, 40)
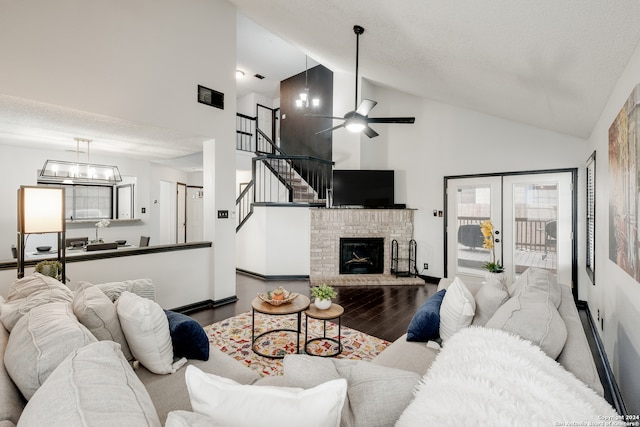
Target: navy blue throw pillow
(187, 336)
(425, 325)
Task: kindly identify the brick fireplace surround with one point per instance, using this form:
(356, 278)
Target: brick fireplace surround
(329, 225)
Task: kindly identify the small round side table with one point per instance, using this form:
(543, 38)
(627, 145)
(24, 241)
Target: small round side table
(297, 306)
(333, 312)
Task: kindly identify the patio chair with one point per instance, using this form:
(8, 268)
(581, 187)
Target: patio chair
(550, 236)
(470, 235)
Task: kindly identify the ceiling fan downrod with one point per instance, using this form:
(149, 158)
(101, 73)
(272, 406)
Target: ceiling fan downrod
(357, 29)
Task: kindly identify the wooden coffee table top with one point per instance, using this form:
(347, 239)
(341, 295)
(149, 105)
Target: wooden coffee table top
(299, 303)
(332, 312)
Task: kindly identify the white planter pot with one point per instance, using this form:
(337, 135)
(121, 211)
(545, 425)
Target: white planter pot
(501, 277)
(322, 304)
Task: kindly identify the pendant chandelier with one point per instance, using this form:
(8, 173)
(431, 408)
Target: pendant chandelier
(62, 172)
(304, 100)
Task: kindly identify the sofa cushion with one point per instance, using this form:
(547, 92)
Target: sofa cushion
(537, 280)
(410, 356)
(146, 329)
(457, 309)
(231, 404)
(29, 292)
(96, 311)
(187, 337)
(11, 401)
(40, 341)
(141, 287)
(187, 419)
(34, 283)
(376, 395)
(534, 317)
(488, 299)
(94, 386)
(425, 324)
(169, 392)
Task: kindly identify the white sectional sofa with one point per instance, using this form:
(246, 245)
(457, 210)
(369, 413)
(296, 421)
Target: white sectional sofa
(85, 380)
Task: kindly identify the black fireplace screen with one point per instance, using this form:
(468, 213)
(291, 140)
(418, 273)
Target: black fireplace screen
(361, 255)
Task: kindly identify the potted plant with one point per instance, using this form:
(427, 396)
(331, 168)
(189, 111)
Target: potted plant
(322, 296)
(50, 268)
(493, 267)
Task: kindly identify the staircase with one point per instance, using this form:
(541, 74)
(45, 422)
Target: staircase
(302, 192)
(277, 178)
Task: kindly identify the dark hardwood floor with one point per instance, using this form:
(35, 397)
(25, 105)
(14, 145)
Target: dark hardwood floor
(381, 311)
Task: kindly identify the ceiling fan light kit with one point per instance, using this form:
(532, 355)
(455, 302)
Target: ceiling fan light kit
(358, 120)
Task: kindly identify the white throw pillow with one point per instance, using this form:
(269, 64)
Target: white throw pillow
(457, 309)
(488, 300)
(146, 329)
(231, 404)
(96, 311)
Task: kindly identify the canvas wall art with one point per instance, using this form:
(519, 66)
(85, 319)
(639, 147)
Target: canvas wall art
(624, 187)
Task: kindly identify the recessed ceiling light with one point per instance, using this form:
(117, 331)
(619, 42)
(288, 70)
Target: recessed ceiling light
(239, 74)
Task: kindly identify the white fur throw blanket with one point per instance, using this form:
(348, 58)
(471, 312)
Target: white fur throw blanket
(488, 377)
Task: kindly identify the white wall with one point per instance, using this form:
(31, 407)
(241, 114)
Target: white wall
(445, 141)
(616, 295)
(139, 61)
(282, 248)
(165, 269)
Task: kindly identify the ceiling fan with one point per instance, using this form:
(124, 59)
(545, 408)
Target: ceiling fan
(358, 120)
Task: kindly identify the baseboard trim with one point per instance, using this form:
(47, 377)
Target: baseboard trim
(273, 277)
(429, 279)
(205, 305)
(609, 381)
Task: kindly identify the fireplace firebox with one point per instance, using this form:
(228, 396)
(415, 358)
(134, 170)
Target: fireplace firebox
(361, 255)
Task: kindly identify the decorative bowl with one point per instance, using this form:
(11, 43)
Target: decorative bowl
(288, 297)
(43, 248)
(121, 242)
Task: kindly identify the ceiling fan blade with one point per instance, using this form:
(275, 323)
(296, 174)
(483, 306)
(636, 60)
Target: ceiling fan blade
(330, 129)
(408, 120)
(370, 132)
(323, 116)
(365, 106)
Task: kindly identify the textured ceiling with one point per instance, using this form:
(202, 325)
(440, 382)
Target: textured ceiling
(547, 63)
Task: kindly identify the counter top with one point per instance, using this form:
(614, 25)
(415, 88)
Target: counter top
(78, 255)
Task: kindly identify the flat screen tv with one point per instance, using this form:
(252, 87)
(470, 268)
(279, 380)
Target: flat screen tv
(366, 188)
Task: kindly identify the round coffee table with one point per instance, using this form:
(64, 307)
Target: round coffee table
(333, 312)
(297, 306)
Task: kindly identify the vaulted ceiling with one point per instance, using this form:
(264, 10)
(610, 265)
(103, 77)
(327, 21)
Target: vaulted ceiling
(547, 63)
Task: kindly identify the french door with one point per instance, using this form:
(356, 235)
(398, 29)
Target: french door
(532, 217)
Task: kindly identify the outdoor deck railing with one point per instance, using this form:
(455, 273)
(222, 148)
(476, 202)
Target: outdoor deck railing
(530, 234)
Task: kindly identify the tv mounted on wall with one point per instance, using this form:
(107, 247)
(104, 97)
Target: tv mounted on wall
(366, 188)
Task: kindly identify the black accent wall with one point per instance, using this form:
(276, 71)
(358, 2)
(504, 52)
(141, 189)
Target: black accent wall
(297, 132)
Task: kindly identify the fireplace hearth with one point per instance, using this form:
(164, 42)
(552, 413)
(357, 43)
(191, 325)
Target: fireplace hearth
(361, 255)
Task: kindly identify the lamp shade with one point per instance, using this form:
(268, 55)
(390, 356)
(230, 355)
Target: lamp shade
(41, 210)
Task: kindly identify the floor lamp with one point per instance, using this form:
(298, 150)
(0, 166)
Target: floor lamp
(41, 210)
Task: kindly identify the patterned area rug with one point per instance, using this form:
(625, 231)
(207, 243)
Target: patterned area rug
(233, 337)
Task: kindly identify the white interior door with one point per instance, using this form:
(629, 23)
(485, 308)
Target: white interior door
(531, 215)
(181, 213)
(195, 224)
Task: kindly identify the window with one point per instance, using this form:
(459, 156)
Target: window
(591, 217)
(88, 202)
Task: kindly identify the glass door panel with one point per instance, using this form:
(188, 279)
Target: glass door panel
(470, 202)
(537, 220)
